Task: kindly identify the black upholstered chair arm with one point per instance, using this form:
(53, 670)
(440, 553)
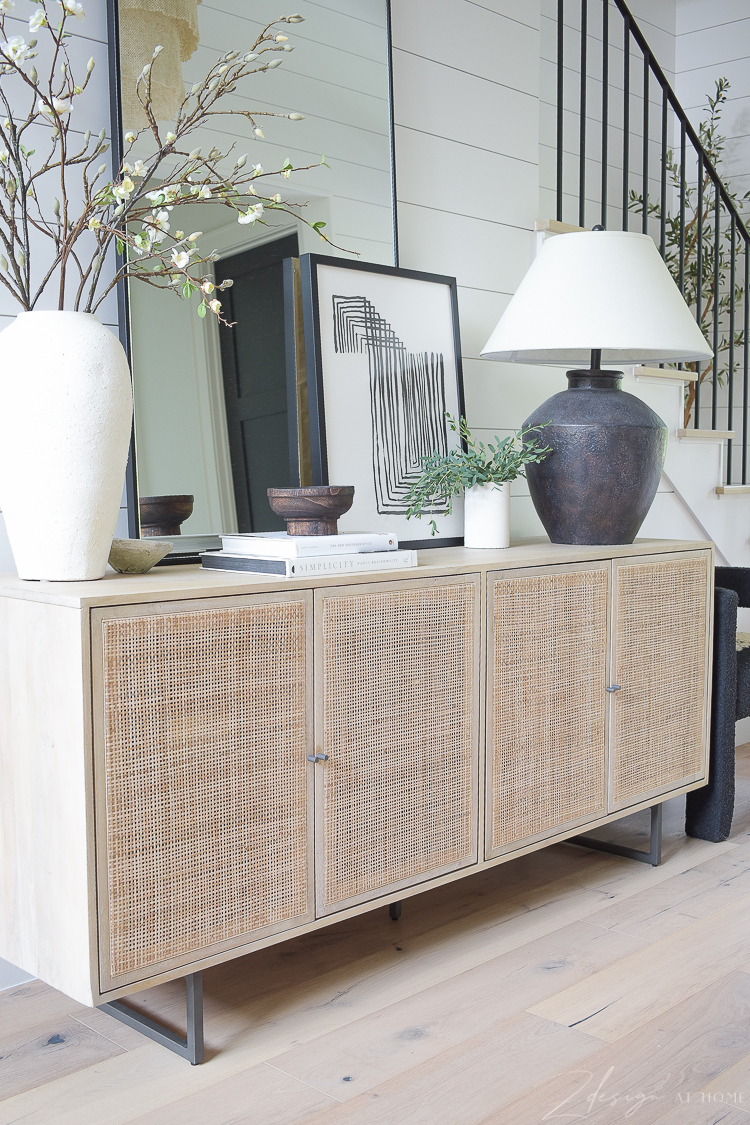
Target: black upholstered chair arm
(709, 810)
(735, 578)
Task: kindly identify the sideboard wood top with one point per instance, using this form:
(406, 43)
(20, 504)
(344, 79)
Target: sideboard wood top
(175, 583)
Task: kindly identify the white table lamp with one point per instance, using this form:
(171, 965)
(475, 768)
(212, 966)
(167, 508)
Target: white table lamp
(590, 298)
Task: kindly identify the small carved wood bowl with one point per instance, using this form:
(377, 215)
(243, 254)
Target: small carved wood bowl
(314, 510)
(162, 515)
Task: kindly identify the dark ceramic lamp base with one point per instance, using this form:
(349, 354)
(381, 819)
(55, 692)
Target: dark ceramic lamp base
(608, 448)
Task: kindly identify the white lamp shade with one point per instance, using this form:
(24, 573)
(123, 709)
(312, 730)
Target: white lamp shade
(597, 289)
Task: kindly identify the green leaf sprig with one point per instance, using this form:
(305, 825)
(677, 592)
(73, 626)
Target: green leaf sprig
(445, 475)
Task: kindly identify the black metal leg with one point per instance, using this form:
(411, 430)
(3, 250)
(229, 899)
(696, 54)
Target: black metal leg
(394, 911)
(653, 856)
(190, 1048)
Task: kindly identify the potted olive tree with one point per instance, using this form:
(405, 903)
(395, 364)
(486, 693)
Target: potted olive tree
(483, 473)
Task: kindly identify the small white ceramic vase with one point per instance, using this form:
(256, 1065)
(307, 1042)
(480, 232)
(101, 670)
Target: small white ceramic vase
(66, 408)
(487, 516)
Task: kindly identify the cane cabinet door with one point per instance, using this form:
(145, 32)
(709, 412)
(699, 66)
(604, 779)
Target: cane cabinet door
(397, 710)
(203, 795)
(546, 701)
(660, 664)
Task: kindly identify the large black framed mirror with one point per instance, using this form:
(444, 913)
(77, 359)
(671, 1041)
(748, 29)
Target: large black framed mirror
(211, 415)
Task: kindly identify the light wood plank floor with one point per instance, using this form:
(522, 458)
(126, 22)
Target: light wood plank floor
(564, 985)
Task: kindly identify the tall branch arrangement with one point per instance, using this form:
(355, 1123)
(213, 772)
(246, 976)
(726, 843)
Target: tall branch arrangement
(90, 212)
(700, 219)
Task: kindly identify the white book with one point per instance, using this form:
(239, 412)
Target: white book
(279, 545)
(316, 564)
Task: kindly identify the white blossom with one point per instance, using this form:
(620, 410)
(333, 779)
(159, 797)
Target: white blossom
(156, 226)
(129, 138)
(171, 137)
(215, 306)
(208, 286)
(59, 107)
(138, 168)
(195, 235)
(15, 48)
(124, 189)
(72, 8)
(181, 258)
(201, 191)
(251, 215)
(38, 20)
(7, 6)
(94, 222)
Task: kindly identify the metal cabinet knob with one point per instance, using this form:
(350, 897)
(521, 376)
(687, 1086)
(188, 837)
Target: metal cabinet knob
(615, 687)
(317, 757)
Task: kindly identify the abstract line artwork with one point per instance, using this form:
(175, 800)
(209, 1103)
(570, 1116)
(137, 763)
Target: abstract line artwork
(407, 399)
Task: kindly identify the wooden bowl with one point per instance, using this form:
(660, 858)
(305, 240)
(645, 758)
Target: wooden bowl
(162, 515)
(314, 510)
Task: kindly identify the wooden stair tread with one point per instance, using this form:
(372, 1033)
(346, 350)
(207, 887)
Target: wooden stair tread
(705, 435)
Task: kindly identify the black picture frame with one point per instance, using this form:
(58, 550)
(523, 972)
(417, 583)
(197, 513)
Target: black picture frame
(310, 265)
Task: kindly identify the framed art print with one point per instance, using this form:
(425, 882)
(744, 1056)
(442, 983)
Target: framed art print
(383, 361)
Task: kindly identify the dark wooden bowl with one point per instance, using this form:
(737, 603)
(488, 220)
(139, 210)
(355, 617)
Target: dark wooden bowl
(314, 510)
(162, 515)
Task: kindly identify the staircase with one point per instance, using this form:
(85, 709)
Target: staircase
(626, 156)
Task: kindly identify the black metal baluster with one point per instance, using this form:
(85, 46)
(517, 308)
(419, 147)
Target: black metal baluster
(730, 377)
(715, 372)
(582, 120)
(682, 207)
(646, 108)
(560, 88)
(699, 287)
(605, 107)
(745, 366)
(663, 230)
(625, 120)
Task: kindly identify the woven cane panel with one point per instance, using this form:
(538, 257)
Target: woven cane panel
(548, 702)
(205, 777)
(398, 699)
(660, 663)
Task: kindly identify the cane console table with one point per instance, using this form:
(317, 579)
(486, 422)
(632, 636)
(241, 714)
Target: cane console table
(194, 764)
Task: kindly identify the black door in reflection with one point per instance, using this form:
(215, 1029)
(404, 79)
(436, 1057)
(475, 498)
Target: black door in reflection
(253, 363)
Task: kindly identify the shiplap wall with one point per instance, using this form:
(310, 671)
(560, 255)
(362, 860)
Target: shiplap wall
(713, 41)
(466, 108)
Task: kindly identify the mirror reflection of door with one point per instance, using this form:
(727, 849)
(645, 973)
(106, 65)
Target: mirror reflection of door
(254, 370)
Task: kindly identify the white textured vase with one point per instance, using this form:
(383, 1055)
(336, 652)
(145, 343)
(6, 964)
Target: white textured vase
(65, 417)
(487, 516)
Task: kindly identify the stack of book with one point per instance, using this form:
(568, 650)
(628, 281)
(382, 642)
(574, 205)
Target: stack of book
(276, 552)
